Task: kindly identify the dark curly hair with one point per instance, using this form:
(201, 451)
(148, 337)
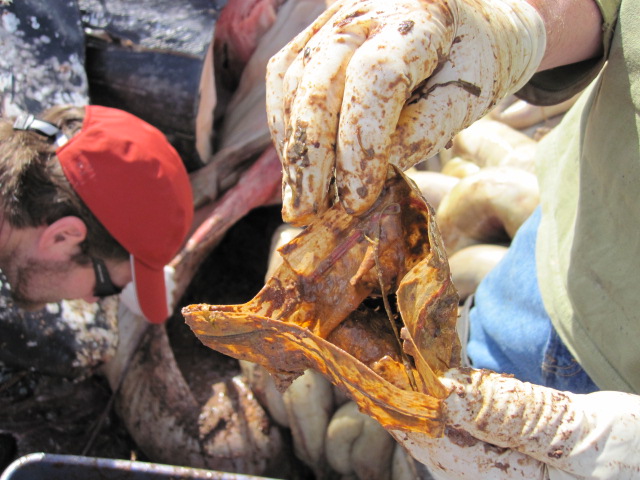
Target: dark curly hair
(34, 190)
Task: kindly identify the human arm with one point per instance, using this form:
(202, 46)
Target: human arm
(573, 30)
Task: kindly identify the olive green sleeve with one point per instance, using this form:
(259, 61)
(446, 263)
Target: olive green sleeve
(561, 83)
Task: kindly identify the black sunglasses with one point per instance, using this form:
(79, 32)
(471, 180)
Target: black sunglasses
(104, 286)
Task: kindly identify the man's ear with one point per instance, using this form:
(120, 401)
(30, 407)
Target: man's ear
(62, 238)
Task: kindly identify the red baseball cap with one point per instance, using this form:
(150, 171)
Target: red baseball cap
(136, 185)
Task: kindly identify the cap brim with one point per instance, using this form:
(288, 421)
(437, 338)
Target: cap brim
(151, 292)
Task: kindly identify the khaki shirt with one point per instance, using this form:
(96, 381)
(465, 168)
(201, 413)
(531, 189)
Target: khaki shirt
(588, 246)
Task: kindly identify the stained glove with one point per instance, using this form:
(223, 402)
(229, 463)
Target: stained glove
(501, 428)
(378, 81)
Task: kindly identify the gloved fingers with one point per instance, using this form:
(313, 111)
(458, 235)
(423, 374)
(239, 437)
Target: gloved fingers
(398, 55)
(429, 122)
(449, 101)
(504, 411)
(288, 71)
(497, 47)
(315, 82)
(348, 83)
(341, 94)
(580, 435)
(277, 96)
(577, 434)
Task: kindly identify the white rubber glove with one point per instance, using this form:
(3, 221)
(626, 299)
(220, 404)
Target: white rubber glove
(373, 82)
(502, 428)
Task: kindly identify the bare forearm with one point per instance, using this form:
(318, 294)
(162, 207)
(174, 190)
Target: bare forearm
(574, 31)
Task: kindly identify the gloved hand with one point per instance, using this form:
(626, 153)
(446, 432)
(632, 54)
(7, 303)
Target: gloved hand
(373, 82)
(502, 428)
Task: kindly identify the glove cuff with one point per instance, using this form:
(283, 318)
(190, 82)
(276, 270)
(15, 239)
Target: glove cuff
(523, 56)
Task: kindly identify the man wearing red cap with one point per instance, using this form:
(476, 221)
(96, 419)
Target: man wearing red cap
(92, 198)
